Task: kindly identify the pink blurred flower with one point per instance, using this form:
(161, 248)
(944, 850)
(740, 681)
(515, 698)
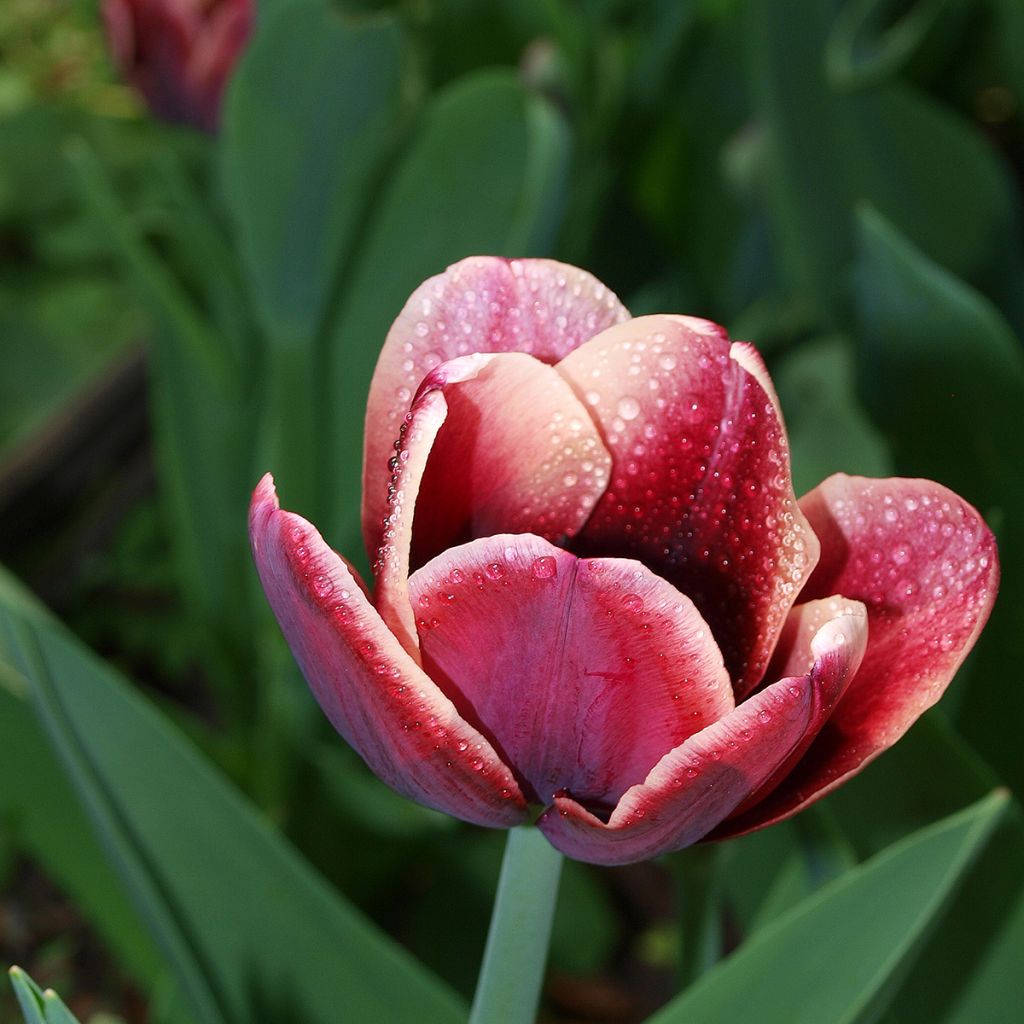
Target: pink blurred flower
(178, 53)
(595, 590)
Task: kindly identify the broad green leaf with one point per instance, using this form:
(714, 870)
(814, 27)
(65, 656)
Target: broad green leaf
(943, 375)
(311, 117)
(311, 113)
(918, 322)
(483, 175)
(45, 815)
(828, 430)
(922, 166)
(979, 942)
(860, 932)
(252, 933)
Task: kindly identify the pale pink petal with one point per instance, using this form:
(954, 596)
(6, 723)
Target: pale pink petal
(481, 304)
(518, 453)
(375, 695)
(582, 673)
(923, 563)
(700, 489)
(495, 444)
(693, 787)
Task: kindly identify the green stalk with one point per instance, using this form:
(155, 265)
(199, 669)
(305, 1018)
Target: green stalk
(508, 988)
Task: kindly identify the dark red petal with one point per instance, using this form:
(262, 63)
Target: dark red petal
(924, 564)
(700, 489)
(481, 304)
(495, 444)
(693, 787)
(582, 673)
(375, 695)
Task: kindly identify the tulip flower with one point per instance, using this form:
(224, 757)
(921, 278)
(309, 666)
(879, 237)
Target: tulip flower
(178, 53)
(595, 591)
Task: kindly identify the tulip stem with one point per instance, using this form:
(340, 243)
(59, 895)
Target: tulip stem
(508, 988)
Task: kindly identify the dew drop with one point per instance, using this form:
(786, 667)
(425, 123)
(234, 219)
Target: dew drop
(628, 407)
(544, 568)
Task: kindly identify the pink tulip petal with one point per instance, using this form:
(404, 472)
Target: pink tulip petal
(375, 695)
(834, 628)
(511, 450)
(481, 304)
(924, 564)
(518, 453)
(582, 673)
(694, 786)
(700, 487)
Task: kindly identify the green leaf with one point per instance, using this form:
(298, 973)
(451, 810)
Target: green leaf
(312, 113)
(56, 1011)
(829, 432)
(863, 50)
(957, 424)
(484, 175)
(923, 167)
(861, 933)
(980, 941)
(38, 1006)
(252, 933)
(29, 996)
(203, 424)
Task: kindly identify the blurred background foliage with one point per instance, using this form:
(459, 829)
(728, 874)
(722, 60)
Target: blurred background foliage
(838, 182)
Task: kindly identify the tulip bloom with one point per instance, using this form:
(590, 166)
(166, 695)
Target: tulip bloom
(595, 590)
(178, 53)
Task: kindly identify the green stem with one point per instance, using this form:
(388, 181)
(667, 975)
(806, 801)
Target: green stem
(508, 988)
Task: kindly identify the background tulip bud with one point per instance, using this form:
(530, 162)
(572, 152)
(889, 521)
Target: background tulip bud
(178, 53)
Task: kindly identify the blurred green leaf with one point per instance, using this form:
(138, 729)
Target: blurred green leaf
(312, 113)
(585, 930)
(829, 432)
(872, 39)
(484, 175)
(251, 932)
(924, 168)
(943, 375)
(918, 323)
(869, 922)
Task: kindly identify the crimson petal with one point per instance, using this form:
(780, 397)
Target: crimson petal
(481, 304)
(374, 694)
(581, 672)
(924, 564)
(700, 487)
(699, 783)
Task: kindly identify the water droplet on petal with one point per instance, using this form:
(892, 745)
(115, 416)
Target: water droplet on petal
(544, 568)
(628, 407)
